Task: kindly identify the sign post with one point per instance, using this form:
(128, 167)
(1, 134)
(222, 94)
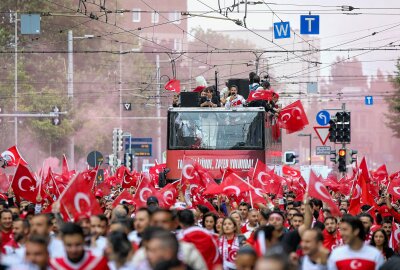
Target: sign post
(323, 134)
(323, 118)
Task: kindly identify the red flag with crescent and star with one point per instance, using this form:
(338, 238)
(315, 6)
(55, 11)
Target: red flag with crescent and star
(173, 85)
(13, 157)
(293, 117)
(317, 189)
(24, 184)
(78, 198)
(144, 191)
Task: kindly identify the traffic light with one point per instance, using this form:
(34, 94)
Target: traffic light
(342, 127)
(128, 161)
(334, 158)
(120, 140)
(289, 157)
(342, 160)
(351, 157)
(346, 127)
(332, 130)
(111, 160)
(56, 121)
(115, 141)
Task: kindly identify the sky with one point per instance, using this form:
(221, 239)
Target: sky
(377, 16)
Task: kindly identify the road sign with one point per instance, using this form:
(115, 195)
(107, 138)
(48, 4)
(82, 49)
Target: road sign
(281, 30)
(30, 24)
(323, 118)
(128, 106)
(141, 140)
(323, 150)
(94, 158)
(323, 134)
(369, 100)
(309, 24)
(141, 150)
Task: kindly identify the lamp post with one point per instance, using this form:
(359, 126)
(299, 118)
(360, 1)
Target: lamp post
(307, 135)
(70, 80)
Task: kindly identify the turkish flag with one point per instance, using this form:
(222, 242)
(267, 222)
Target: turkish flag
(260, 95)
(266, 179)
(124, 195)
(394, 175)
(66, 174)
(155, 170)
(293, 117)
(394, 188)
(24, 184)
(394, 236)
(129, 179)
(199, 199)
(169, 193)
(13, 157)
(380, 176)
(232, 184)
(212, 189)
(4, 182)
(372, 186)
(173, 85)
(144, 191)
(79, 199)
(317, 189)
(105, 187)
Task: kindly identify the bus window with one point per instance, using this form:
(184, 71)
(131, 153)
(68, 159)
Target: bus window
(219, 130)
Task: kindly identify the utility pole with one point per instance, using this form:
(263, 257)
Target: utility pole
(158, 106)
(70, 87)
(16, 76)
(120, 86)
(70, 90)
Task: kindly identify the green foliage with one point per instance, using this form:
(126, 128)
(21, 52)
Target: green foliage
(394, 104)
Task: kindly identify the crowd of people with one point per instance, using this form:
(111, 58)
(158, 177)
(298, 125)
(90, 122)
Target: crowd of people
(293, 235)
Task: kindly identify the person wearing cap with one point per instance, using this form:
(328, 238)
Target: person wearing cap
(152, 202)
(130, 204)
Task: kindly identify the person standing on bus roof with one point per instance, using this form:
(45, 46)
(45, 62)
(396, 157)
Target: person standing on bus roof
(209, 100)
(234, 100)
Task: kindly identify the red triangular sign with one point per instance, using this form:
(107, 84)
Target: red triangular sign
(323, 134)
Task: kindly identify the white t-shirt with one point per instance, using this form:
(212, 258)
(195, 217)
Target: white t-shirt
(238, 101)
(307, 264)
(344, 258)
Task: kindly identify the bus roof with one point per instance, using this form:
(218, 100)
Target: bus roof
(205, 109)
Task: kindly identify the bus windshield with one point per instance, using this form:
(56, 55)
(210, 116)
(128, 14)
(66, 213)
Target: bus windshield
(216, 130)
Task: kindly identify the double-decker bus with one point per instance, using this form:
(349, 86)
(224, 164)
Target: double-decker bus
(218, 138)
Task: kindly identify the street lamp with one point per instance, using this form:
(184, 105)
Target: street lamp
(307, 135)
(70, 80)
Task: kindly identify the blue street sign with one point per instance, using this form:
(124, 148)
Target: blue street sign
(323, 118)
(281, 30)
(30, 24)
(369, 100)
(139, 140)
(309, 24)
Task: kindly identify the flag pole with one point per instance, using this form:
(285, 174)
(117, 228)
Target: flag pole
(251, 197)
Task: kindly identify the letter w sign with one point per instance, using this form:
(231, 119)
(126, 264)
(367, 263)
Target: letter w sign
(281, 30)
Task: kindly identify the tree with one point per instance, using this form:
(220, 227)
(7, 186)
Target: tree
(394, 104)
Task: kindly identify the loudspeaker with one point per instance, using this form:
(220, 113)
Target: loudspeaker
(242, 84)
(190, 99)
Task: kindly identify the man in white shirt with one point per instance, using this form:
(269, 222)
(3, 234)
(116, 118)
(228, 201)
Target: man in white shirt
(234, 100)
(315, 255)
(355, 254)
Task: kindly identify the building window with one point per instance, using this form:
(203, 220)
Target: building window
(177, 44)
(136, 15)
(155, 17)
(175, 17)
